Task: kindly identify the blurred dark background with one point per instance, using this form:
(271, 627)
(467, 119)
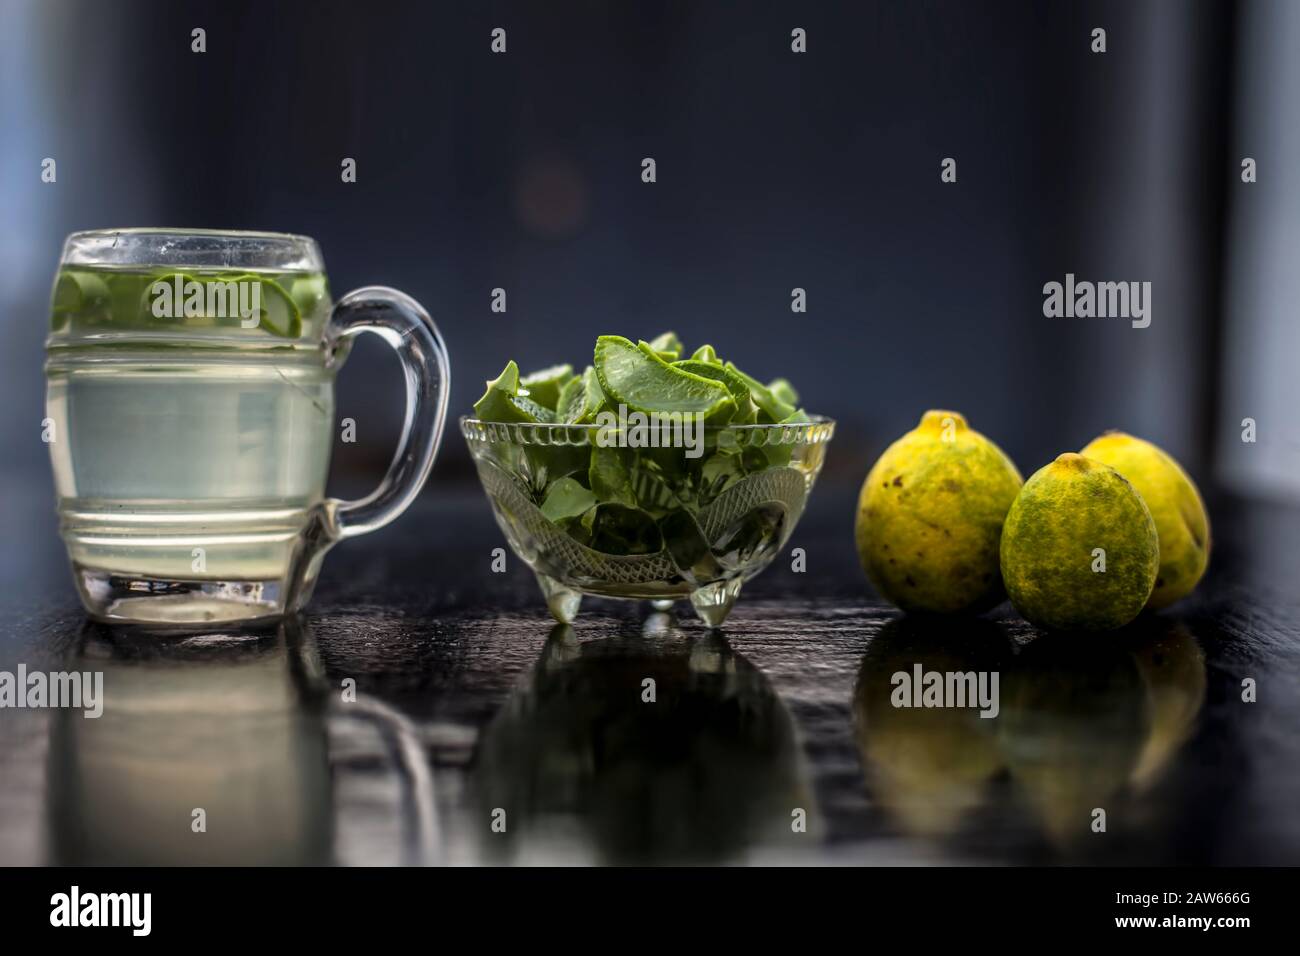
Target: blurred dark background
(776, 170)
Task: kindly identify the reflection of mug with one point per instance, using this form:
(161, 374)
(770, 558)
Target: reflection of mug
(190, 416)
(233, 726)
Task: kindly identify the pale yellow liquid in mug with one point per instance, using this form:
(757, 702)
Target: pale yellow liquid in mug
(188, 464)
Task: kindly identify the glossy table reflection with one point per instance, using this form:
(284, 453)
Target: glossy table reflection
(472, 708)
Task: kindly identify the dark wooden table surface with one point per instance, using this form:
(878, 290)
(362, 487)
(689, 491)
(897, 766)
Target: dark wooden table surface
(472, 709)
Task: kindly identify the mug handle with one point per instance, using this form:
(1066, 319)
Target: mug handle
(401, 322)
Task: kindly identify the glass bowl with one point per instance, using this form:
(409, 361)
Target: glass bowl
(661, 523)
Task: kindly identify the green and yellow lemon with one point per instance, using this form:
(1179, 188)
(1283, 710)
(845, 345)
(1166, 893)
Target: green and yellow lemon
(1079, 547)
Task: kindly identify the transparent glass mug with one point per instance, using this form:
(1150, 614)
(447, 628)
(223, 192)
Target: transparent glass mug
(190, 415)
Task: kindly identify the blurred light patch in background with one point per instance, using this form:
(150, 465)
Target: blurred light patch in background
(1261, 340)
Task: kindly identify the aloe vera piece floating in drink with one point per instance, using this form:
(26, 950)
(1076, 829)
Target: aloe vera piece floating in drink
(273, 307)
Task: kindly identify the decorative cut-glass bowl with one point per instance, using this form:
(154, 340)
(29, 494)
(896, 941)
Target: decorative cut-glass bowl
(664, 522)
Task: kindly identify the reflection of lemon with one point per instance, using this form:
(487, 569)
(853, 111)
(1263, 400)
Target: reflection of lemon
(1079, 548)
(1074, 719)
(928, 766)
(930, 516)
(1176, 507)
(1173, 669)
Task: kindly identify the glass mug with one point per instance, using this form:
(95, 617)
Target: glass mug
(190, 406)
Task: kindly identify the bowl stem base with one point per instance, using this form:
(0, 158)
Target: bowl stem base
(562, 601)
(714, 602)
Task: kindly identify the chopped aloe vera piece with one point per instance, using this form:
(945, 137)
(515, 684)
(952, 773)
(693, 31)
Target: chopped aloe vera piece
(745, 411)
(583, 406)
(593, 395)
(544, 386)
(279, 313)
(783, 390)
(174, 311)
(653, 491)
(309, 292)
(617, 529)
(771, 408)
(638, 378)
(538, 412)
(780, 454)
(568, 407)
(719, 473)
(610, 478)
(218, 302)
(508, 380)
(79, 291)
(566, 498)
(688, 547)
(185, 300)
(706, 353)
(503, 403)
(495, 401)
(668, 346)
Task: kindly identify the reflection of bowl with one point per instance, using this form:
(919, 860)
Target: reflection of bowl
(641, 749)
(665, 524)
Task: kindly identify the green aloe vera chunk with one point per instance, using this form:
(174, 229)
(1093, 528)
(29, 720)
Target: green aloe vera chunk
(771, 409)
(568, 407)
(593, 395)
(566, 498)
(610, 477)
(309, 292)
(783, 390)
(278, 314)
(745, 410)
(667, 346)
(706, 353)
(581, 400)
(544, 386)
(617, 529)
(688, 548)
(172, 299)
(150, 297)
(501, 402)
(638, 378)
(781, 453)
(79, 291)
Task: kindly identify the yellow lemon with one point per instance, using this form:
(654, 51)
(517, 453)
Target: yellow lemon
(1176, 506)
(930, 517)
